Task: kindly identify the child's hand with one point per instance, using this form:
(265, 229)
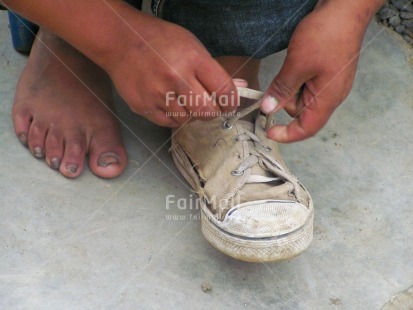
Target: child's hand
(319, 69)
(149, 60)
(157, 64)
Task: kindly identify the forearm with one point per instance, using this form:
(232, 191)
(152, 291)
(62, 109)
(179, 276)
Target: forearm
(352, 17)
(369, 7)
(361, 11)
(91, 26)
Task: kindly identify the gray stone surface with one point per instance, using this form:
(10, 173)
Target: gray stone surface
(393, 14)
(115, 244)
(401, 301)
(405, 5)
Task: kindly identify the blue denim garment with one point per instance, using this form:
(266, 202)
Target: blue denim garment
(254, 28)
(136, 3)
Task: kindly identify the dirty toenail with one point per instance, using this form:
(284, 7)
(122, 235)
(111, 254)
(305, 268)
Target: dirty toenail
(55, 163)
(72, 168)
(23, 138)
(38, 152)
(107, 159)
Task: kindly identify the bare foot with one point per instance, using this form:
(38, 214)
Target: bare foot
(59, 111)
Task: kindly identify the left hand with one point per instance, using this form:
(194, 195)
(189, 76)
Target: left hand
(321, 61)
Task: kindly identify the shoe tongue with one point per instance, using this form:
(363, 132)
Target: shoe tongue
(256, 169)
(247, 125)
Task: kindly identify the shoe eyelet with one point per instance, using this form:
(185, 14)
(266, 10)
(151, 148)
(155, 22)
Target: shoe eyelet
(225, 125)
(237, 173)
(267, 148)
(237, 156)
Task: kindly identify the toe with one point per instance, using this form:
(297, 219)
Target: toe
(37, 138)
(54, 149)
(73, 159)
(107, 156)
(22, 120)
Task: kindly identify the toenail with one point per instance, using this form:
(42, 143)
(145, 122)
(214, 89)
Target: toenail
(72, 168)
(55, 163)
(23, 138)
(107, 159)
(38, 152)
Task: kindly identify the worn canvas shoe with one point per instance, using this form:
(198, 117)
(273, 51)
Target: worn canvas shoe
(252, 207)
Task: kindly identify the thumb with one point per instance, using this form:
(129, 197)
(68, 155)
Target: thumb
(285, 86)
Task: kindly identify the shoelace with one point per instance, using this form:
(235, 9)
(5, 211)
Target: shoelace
(260, 152)
(254, 158)
(249, 94)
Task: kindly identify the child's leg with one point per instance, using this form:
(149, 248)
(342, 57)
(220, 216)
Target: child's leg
(59, 111)
(240, 67)
(249, 28)
(245, 68)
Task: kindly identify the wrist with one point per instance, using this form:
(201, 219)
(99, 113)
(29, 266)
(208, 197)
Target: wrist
(360, 11)
(349, 18)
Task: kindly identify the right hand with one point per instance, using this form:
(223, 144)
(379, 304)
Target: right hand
(157, 58)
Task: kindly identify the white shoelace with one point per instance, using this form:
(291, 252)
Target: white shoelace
(260, 151)
(249, 94)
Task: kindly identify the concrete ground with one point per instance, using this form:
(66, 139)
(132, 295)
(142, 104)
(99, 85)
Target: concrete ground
(91, 243)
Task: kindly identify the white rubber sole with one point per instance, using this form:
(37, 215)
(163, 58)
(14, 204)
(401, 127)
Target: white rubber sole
(259, 250)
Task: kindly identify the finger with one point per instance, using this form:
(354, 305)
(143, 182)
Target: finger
(309, 120)
(166, 111)
(299, 129)
(160, 118)
(178, 114)
(218, 83)
(295, 105)
(174, 108)
(197, 102)
(240, 83)
(285, 86)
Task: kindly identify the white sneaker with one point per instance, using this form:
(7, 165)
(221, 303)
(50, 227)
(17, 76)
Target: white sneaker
(252, 207)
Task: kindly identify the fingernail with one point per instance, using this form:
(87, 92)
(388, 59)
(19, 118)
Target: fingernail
(72, 168)
(269, 104)
(280, 134)
(240, 82)
(55, 163)
(38, 152)
(107, 159)
(23, 138)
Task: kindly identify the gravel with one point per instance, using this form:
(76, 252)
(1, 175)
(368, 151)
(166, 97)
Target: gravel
(398, 15)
